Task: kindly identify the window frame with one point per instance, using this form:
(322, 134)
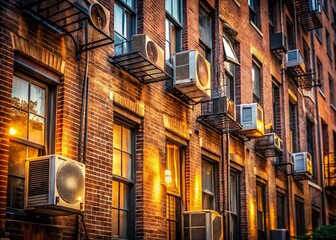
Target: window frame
(178, 196)
(131, 183)
(293, 126)
(299, 216)
(262, 233)
(332, 91)
(320, 74)
(126, 43)
(234, 231)
(310, 137)
(254, 12)
(280, 201)
(328, 43)
(205, 45)
(214, 191)
(48, 146)
(257, 98)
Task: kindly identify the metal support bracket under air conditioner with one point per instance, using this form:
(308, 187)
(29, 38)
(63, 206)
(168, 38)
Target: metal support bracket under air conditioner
(69, 17)
(140, 67)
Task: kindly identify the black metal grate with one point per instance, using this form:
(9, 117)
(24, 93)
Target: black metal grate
(140, 67)
(67, 17)
(309, 19)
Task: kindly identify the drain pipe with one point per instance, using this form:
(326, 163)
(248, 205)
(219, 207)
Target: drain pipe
(319, 139)
(283, 77)
(84, 101)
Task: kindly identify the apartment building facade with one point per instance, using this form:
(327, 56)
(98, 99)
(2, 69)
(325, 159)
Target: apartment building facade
(134, 119)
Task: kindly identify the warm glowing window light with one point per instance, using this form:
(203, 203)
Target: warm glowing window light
(168, 176)
(12, 131)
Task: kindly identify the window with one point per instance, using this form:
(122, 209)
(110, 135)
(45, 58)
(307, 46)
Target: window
(32, 104)
(174, 195)
(208, 185)
(334, 18)
(316, 217)
(310, 140)
(234, 206)
(325, 138)
(276, 109)
(256, 81)
(325, 5)
(124, 25)
(293, 131)
(328, 43)
(261, 211)
(123, 181)
(318, 33)
(320, 74)
(332, 219)
(272, 10)
(230, 62)
(254, 12)
(280, 211)
(290, 35)
(173, 28)
(205, 31)
(299, 217)
(306, 54)
(331, 91)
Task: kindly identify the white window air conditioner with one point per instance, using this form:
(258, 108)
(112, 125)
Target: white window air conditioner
(192, 75)
(295, 59)
(279, 234)
(99, 17)
(252, 120)
(302, 164)
(149, 49)
(269, 140)
(205, 224)
(55, 185)
(218, 106)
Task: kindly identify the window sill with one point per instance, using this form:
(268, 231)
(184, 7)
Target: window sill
(256, 28)
(314, 185)
(237, 3)
(318, 38)
(322, 93)
(333, 107)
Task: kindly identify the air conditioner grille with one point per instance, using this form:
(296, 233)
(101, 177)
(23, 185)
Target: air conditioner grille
(38, 177)
(182, 72)
(198, 220)
(299, 164)
(70, 182)
(202, 71)
(198, 233)
(217, 228)
(152, 52)
(97, 16)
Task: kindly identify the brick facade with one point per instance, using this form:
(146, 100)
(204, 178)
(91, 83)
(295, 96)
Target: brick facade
(157, 117)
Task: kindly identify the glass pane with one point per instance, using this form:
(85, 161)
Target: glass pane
(116, 162)
(19, 124)
(33, 152)
(128, 30)
(126, 140)
(17, 156)
(207, 201)
(168, 5)
(118, 19)
(123, 224)
(15, 192)
(233, 197)
(207, 177)
(125, 196)
(36, 129)
(173, 164)
(115, 194)
(37, 100)
(117, 136)
(172, 230)
(127, 166)
(176, 10)
(115, 222)
(20, 93)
